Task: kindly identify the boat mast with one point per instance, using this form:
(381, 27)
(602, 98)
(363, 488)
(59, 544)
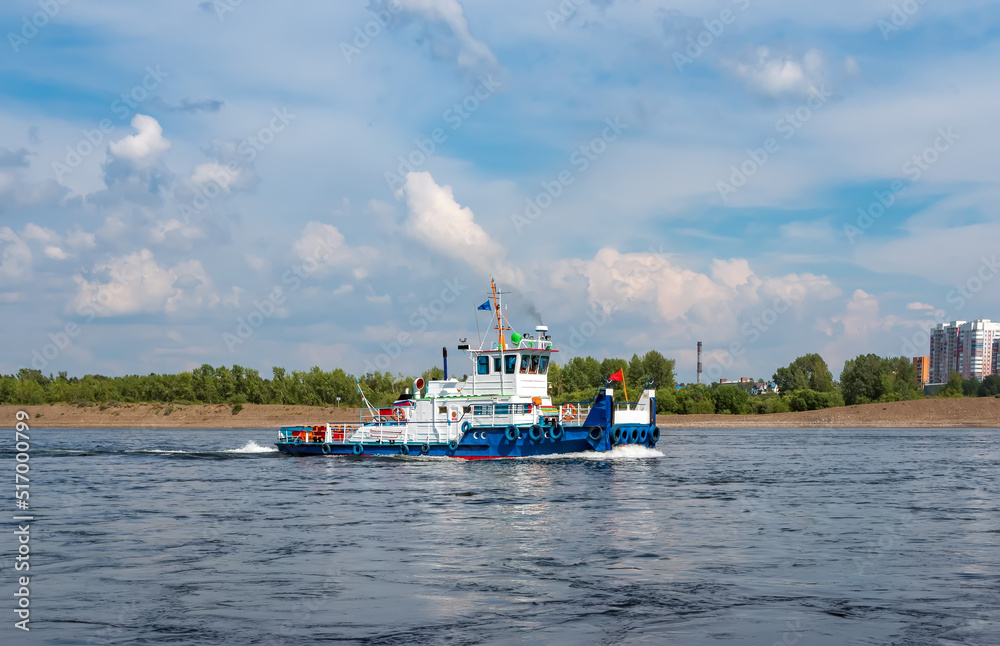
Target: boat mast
(496, 304)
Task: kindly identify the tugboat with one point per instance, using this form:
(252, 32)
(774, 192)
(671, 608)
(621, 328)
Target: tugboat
(502, 410)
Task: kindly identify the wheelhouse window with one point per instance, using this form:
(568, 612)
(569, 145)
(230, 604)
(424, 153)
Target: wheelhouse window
(524, 363)
(543, 364)
(484, 365)
(496, 365)
(510, 362)
(534, 364)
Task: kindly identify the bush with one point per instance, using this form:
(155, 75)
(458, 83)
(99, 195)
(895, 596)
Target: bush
(730, 399)
(699, 407)
(803, 400)
(237, 407)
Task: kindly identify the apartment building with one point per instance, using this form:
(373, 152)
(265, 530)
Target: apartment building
(969, 348)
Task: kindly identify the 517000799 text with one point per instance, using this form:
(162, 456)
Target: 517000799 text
(22, 532)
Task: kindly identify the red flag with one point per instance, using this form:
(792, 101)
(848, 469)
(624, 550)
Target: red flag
(618, 376)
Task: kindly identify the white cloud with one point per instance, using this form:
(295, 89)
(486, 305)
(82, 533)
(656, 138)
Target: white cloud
(214, 172)
(450, 12)
(144, 147)
(732, 273)
(80, 239)
(919, 306)
(136, 284)
(320, 241)
(55, 253)
(15, 256)
(255, 262)
(686, 300)
(42, 234)
(438, 221)
(174, 229)
(777, 75)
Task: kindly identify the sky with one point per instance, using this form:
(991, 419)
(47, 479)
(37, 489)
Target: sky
(333, 184)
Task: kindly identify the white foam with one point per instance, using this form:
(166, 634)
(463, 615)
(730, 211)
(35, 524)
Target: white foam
(620, 452)
(252, 447)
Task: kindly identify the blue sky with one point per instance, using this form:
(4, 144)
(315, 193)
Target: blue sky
(206, 182)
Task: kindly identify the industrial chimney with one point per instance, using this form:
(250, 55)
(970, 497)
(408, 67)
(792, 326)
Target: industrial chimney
(699, 362)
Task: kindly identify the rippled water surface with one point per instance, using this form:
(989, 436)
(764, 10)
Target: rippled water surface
(744, 536)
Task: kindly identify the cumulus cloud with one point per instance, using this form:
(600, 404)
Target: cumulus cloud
(53, 244)
(732, 273)
(137, 284)
(777, 75)
(436, 219)
(450, 13)
(144, 147)
(15, 256)
(324, 245)
(688, 300)
(919, 306)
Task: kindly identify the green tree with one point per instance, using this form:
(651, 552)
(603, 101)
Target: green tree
(861, 381)
(990, 386)
(955, 385)
(870, 378)
(730, 399)
(808, 372)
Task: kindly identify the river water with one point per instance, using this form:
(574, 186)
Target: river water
(742, 536)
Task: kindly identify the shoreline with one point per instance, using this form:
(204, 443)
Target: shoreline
(921, 413)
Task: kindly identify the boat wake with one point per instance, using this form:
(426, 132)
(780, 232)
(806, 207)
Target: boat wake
(621, 452)
(252, 447)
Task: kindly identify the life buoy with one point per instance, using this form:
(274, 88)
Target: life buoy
(595, 434)
(654, 435)
(296, 440)
(556, 432)
(616, 435)
(452, 444)
(535, 433)
(466, 426)
(567, 412)
(512, 433)
(358, 449)
(399, 414)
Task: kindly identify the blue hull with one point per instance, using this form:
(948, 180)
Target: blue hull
(484, 444)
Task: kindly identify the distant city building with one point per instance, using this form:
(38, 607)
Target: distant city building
(968, 348)
(996, 356)
(922, 365)
(944, 351)
(751, 386)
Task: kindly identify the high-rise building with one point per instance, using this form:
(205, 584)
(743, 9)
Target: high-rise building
(944, 351)
(976, 348)
(996, 356)
(922, 365)
(968, 348)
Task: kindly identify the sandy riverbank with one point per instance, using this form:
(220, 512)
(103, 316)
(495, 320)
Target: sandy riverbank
(925, 413)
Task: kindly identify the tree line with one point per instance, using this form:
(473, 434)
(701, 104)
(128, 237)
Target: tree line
(805, 384)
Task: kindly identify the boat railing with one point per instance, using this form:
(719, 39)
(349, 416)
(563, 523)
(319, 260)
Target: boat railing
(318, 434)
(574, 413)
(437, 432)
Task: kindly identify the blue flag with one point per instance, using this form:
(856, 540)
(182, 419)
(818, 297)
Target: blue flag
(484, 306)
